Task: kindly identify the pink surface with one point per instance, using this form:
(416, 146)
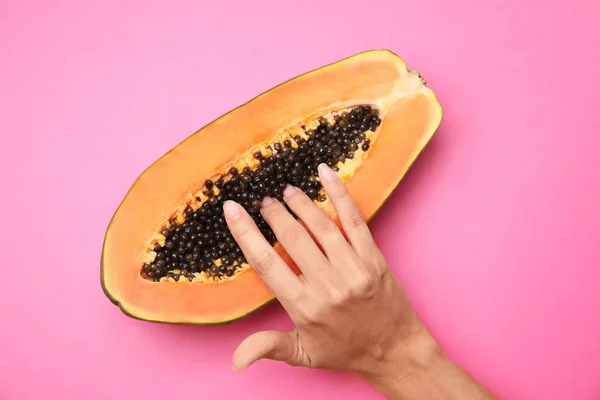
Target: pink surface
(494, 232)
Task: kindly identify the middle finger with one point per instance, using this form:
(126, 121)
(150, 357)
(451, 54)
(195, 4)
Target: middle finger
(294, 239)
(322, 227)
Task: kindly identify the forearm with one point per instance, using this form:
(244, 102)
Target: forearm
(422, 371)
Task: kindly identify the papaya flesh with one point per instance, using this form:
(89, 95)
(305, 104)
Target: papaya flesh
(370, 109)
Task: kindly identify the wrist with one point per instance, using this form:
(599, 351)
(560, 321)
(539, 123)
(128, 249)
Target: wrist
(419, 368)
(410, 360)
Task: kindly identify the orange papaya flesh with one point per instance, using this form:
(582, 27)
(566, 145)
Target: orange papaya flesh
(378, 81)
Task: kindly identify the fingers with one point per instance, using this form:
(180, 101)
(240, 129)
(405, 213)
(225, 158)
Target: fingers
(294, 238)
(352, 221)
(274, 272)
(273, 345)
(322, 227)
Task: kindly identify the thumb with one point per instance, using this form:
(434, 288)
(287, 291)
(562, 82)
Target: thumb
(274, 345)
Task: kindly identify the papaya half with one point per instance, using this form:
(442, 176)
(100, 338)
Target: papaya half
(168, 255)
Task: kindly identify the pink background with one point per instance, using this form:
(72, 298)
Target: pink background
(494, 232)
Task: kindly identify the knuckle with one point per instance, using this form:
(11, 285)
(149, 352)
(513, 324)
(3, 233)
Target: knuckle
(301, 299)
(381, 265)
(379, 268)
(269, 211)
(340, 297)
(355, 219)
(295, 297)
(263, 261)
(244, 230)
(311, 315)
(363, 286)
(292, 235)
(273, 351)
(382, 272)
(324, 225)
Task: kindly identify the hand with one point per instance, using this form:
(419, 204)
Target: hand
(349, 310)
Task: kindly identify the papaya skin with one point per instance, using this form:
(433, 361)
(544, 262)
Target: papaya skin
(144, 311)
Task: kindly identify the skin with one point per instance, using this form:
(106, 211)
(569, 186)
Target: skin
(349, 310)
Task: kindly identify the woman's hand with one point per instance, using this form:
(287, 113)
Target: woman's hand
(349, 310)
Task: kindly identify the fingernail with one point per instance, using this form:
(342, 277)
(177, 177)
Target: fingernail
(289, 190)
(266, 201)
(326, 174)
(231, 210)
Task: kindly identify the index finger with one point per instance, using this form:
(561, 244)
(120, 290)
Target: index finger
(269, 266)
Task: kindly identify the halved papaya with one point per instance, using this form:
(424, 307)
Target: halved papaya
(167, 255)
